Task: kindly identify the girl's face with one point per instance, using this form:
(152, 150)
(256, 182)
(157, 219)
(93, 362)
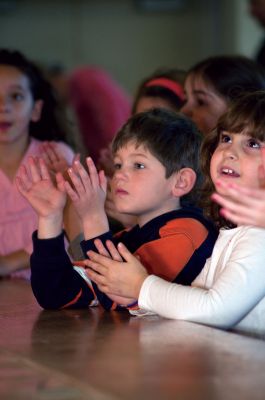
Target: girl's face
(203, 105)
(237, 158)
(147, 103)
(17, 107)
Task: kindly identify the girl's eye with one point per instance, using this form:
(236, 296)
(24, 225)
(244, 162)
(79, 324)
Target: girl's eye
(224, 138)
(254, 144)
(17, 96)
(139, 166)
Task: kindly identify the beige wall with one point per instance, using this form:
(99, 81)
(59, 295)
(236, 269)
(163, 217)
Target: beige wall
(127, 42)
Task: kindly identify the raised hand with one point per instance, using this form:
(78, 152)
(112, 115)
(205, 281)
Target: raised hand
(88, 192)
(54, 160)
(35, 184)
(48, 200)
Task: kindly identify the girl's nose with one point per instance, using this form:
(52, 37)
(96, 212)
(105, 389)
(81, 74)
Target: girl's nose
(231, 152)
(4, 105)
(186, 109)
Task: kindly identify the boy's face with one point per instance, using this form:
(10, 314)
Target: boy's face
(139, 185)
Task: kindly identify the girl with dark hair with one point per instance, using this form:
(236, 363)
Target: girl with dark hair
(212, 84)
(28, 117)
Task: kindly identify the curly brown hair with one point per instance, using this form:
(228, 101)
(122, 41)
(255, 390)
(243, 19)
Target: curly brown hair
(244, 116)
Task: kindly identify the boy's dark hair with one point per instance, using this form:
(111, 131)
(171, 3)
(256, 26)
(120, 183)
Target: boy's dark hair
(170, 137)
(230, 76)
(158, 91)
(51, 125)
(246, 115)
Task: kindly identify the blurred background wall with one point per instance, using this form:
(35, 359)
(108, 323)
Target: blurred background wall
(129, 38)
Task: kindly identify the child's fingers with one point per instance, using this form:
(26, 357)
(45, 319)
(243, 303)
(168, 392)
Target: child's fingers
(103, 181)
(124, 252)
(80, 174)
(76, 157)
(43, 170)
(93, 173)
(115, 255)
(70, 191)
(76, 181)
(20, 185)
(34, 169)
(101, 248)
(60, 182)
(236, 219)
(92, 273)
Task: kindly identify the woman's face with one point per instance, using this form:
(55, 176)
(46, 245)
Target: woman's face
(203, 104)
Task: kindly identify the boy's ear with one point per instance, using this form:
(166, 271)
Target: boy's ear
(36, 111)
(184, 182)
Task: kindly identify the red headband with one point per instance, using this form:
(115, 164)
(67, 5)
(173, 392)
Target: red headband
(168, 84)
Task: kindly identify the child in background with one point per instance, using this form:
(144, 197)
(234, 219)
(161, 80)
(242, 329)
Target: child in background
(28, 116)
(156, 163)
(163, 89)
(230, 290)
(212, 84)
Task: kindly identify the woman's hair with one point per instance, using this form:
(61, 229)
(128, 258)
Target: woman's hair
(230, 76)
(51, 125)
(171, 137)
(244, 116)
(166, 84)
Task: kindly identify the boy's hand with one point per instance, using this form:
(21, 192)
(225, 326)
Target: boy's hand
(88, 192)
(115, 277)
(35, 184)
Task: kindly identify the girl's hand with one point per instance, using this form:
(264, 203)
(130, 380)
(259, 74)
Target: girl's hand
(88, 192)
(113, 276)
(54, 161)
(241, 205)
(35, 184)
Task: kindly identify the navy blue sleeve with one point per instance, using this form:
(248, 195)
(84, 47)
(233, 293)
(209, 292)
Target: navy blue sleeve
(87, 245)
(54, 281)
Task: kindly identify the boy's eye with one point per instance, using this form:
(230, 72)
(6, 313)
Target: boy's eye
(117, 166)
(139, 166)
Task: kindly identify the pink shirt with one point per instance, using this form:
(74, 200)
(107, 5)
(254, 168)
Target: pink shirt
(18, 220)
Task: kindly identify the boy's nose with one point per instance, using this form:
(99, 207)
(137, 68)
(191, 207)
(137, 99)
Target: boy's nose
(120, 174)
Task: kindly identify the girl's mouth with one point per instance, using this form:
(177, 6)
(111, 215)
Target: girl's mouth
(229, 172)
(5, 126)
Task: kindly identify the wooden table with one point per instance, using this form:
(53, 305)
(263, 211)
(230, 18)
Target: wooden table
(91, 354)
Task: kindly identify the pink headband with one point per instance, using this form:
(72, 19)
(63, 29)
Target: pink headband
(168, 84)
